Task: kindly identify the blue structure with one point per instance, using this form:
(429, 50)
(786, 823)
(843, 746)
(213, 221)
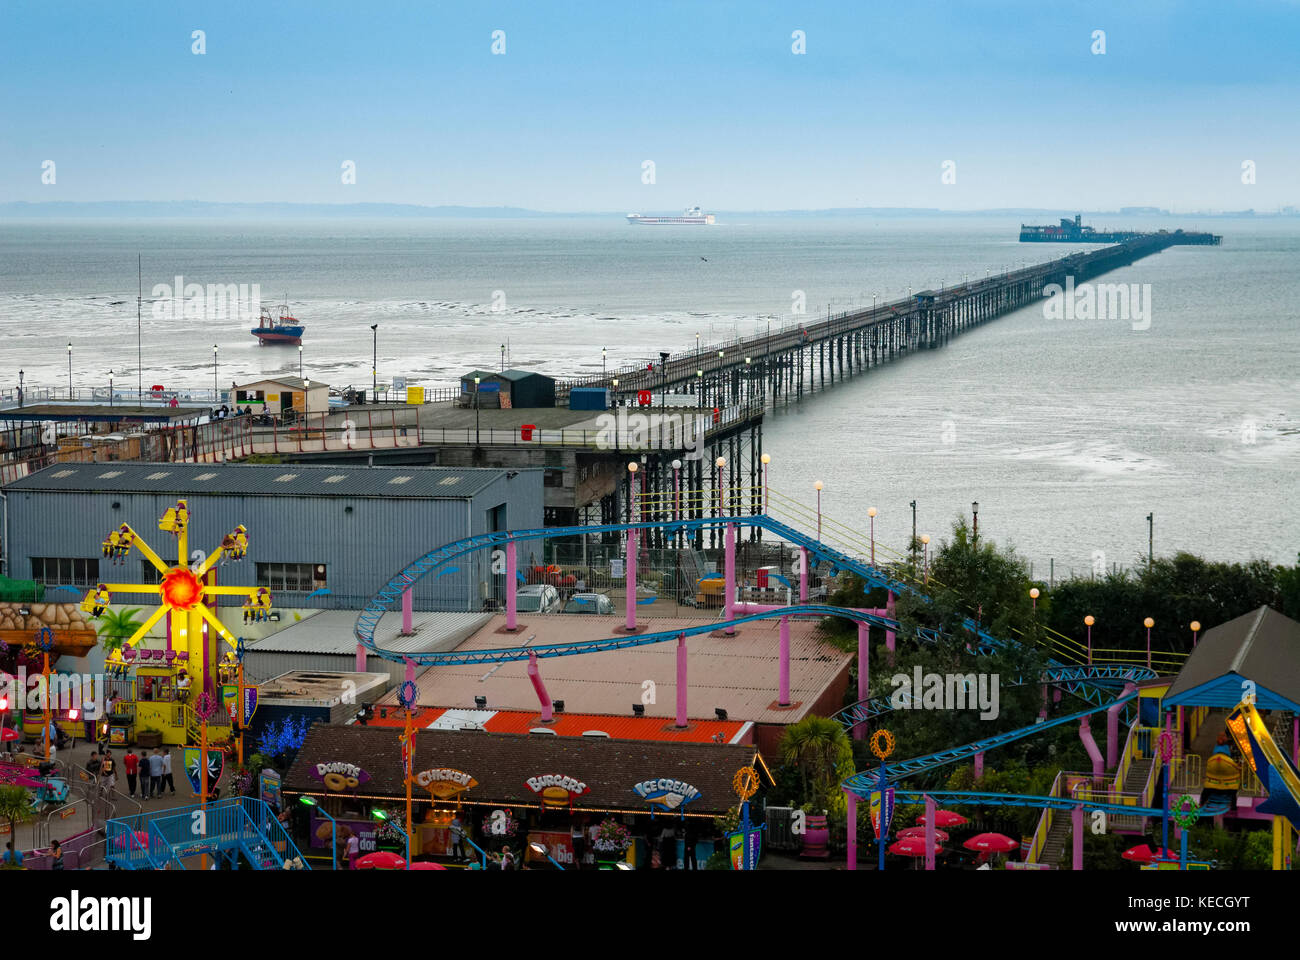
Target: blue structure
(235, 827)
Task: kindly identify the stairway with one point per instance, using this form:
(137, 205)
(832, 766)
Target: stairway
(1057, 837)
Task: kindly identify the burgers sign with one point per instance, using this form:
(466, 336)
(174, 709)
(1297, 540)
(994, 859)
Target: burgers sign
(556, 790)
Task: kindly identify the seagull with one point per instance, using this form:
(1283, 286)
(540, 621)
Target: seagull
(705, 259)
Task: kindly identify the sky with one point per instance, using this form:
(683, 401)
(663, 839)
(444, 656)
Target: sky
(1011, 94)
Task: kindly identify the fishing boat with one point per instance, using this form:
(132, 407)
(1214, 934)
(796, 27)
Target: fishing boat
(282, 329)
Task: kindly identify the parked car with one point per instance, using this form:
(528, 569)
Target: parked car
(538, 598)
(596, 603)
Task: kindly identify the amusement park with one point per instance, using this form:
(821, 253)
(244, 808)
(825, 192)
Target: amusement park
(721, 678)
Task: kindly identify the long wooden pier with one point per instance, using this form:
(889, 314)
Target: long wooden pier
(797, 360)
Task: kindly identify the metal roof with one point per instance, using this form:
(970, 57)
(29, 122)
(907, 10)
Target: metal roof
(1262, 646)
(293, 383)
(330, 631)
(282, 480)
(570, 724)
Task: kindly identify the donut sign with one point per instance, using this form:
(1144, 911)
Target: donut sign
(556, 790)
(445, 782)
(339, 776)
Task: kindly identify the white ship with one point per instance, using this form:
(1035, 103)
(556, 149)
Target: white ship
(693, 216)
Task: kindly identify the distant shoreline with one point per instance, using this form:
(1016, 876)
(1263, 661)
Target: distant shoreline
(188, 210)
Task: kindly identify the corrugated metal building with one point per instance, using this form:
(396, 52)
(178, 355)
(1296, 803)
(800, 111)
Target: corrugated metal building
(319, 536)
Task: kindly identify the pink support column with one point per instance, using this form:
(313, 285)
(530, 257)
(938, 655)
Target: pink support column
(979, 765)
(929, 832)
(1076, 827)
(783, 676)
(361, 658)
(512, 587)
(889, 634)
(864, 674)
(803, 574)
(1090, 745)
(681, 680)
(631, 580)
(535, 676)
(1042, 711)
(851, 829)
(729, 575)
(1112, 728)
(408, 612)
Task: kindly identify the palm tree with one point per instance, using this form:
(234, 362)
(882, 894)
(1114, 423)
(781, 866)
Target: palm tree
(817, 747)
(116, 627)
(15, 807)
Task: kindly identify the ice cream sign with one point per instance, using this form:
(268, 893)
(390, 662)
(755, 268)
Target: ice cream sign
(666, 794)
(339, 776)
(445, 782)
(556, 790)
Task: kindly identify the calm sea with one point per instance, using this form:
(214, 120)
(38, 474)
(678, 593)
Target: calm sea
(1068, 433)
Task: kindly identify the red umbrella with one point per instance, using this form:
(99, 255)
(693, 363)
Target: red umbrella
(426, 865)
(940, 835)
(1144, 854)
(992, 842)
(9, 733)
(381, 860)
(945, 818)
(912, 847)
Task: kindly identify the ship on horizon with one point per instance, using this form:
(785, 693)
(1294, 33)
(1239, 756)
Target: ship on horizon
(285, 329)
(693, 216)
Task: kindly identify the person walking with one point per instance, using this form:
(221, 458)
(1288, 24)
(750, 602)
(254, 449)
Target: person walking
(156, 772)
(108, 773)
(353, 849)
(131, 764)
(457, 837)
(167, 771)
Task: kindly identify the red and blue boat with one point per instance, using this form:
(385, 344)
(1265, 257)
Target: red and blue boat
(282, 329)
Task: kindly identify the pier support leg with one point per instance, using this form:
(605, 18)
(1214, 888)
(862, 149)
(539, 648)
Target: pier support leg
(1076, 828)
(979, 765)
(803, 574)
(361, 658)
(864, 674)
(729, 576)
(851, 831)
(535, 676)
(783, 671)
(408, 612)
(681, 680)
(889, 634)
(512, 587)
(1112, 729)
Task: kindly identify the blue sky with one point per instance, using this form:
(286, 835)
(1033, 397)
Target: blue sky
(711, 92)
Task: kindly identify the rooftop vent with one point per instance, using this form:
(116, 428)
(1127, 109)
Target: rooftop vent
(544, 730)
(448, 481)
(157, 475)
(285, 477)
(399, 480)
(203, 476)
(595, 733)
(110, 474)
(63, 473)
(335, 478)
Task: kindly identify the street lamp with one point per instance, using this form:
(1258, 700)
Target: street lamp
(1089, 620)
(975, 517)
(374, 366)
(1148, 623)
(382, 817)
(1033, 595)
(602, 363)
(871, 513)
(721, 464)
(818, 487)
(216, 391)
(334, 827)
(20, 388)
(1196, 628)
(300, 361)
(677, 496)
(766, 458)
(925, 557)
(540, 850)
(503, 358)
(110, 388)
(69, 369)
(476, 381)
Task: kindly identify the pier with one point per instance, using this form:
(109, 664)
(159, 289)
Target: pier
(788, 363)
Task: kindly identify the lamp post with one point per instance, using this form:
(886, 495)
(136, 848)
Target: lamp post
(766, 458)
(374, 365)
(300, 361)
(697, 344)
(913, 535)
(749, 381)
(1151, 537)
(476, 380)
(1089, 620)
(1033, 595)
(540, 850)
(975, 522)
(69, 369)
(216, 391)
(334, 828)
(1148, 623)
(20, 388)
(503, 358)
(818, 487)
(721, 464)
(602, 363)
(382, 817)
(1196, 628)
(110, 388)
(925, 557)
(871, 513)
(677, 490)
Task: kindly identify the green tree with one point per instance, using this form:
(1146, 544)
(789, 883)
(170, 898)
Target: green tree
(15, 808)
(821, 751)
(117, 626)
